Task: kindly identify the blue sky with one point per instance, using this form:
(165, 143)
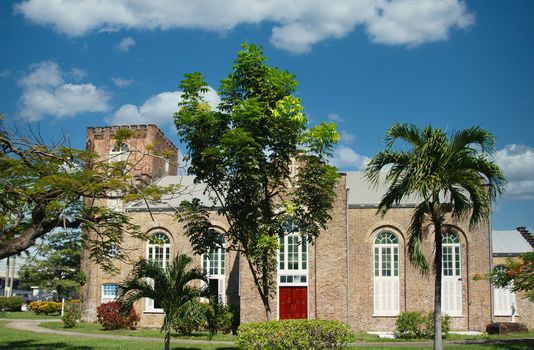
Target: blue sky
(363, 64)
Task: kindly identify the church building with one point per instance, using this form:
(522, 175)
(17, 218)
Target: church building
(357, 272)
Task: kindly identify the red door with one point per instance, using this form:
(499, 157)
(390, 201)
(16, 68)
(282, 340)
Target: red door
(293, 302)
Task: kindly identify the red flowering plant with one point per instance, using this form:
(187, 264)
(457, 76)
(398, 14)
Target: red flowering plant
(109, 316)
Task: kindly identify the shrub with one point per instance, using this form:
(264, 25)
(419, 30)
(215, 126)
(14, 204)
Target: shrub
(413, 324)
(11, 303)
(219, 317)
(109, 317)
(191, 317)
(293, 334)
(45, 307)
(72, 312)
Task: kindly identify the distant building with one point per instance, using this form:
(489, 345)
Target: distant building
(507, 305)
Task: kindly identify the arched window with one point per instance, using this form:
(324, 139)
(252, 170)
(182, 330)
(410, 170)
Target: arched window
(504, 298)
(119, 148)
(214, 265)
(386, 274)
(292, 257)
(159, 251)
(451, 288)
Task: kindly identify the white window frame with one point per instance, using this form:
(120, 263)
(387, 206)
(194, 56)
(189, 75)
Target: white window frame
(294, 275)
(386, 286)
(503, 296)
(451, 275)
(216, 272)
(106, 298)
(165, 259)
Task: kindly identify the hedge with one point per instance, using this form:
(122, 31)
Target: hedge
(45, 307)
(11, 303)
(293, 334)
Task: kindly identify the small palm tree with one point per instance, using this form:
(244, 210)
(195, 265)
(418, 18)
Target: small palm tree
(171, 288)
(452, 178)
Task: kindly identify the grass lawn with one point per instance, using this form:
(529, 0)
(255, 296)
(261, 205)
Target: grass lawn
(26, 315)
(13, 339)
(142, 332)
(22, 340)
(359, 337)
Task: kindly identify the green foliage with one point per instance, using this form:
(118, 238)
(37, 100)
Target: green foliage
(518, 275)
(219, 318)
(172, 287)
(45, 307)
(72, 313)
(293, 334)
(46, 187)
(413, 325)
(58, 265)
(245, 152)
(11, 303)
(191, 317)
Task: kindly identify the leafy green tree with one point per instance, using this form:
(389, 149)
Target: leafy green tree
(259, 161)
(58, 265)
(453, 179)
(46, 187)
(518, 275)
(171, 287)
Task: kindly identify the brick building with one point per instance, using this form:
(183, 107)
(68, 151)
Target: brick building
(509, 306)
(356, 272)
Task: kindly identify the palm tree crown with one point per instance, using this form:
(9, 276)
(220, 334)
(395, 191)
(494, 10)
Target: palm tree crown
(451, 177)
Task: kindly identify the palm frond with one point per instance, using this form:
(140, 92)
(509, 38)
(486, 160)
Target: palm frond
(407, 132)
(415, 238)
(475, 135)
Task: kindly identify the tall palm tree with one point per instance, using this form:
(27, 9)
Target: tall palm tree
(170, 287)
(452, 178)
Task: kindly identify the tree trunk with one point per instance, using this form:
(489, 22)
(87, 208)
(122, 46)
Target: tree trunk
(167, 345)
(438, 341)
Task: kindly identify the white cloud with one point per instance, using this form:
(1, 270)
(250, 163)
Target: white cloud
(335, 118)
(125, 44)
(158, 109)
(121, 82)
(46, 93)
(297, 25)
(517, 162)
(346, 136)
(345, 158)
(77, 73)
(5, 73)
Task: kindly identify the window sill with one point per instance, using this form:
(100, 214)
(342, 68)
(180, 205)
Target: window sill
(155, 312)
(385, 315)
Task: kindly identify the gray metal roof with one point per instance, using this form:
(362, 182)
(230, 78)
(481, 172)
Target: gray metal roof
(187, 191)
(364, 194)
(509, 242)
(361, 193)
